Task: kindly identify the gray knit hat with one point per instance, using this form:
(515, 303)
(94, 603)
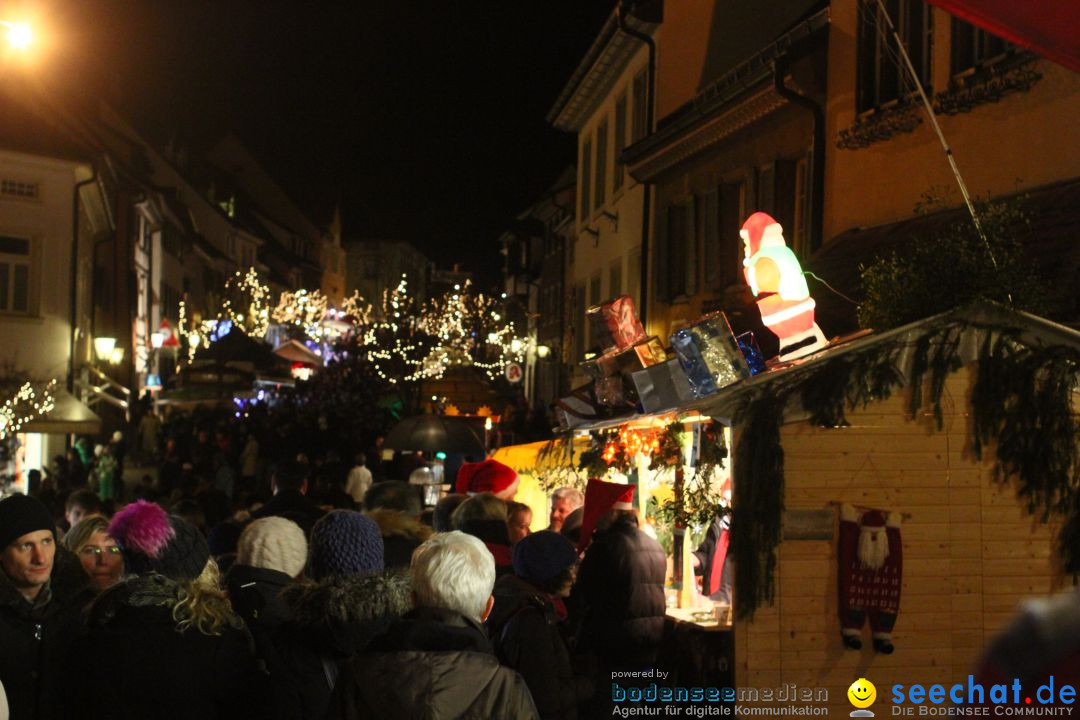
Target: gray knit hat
(344, 542)
(273, 543)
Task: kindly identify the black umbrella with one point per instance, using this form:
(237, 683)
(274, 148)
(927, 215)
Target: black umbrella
(436, 433)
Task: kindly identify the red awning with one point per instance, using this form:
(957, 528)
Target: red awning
(1049, 27)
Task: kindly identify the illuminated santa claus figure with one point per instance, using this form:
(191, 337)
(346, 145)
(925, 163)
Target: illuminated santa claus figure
(775, 277)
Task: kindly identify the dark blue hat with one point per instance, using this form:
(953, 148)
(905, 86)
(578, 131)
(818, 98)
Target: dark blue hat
(343, 543)
(541, 556)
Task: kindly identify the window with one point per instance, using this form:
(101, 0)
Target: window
(778, 195)
(170, 301)
(601, 163)
(18, 189)
(620, 141)
(247, 256)
(678, 252)
(615, 286)
(14, 274)
(881, 76)
(640, 114)
(973, 47)
(725, 208)
(595, 290)
(595, 295)
(171, 242)
(586, 176)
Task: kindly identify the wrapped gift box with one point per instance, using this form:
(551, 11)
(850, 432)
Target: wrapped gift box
(662, 386)
(610, 392)
(615, 324)
(709, 354)
(649, 351)
(577, 408)
(750, 350)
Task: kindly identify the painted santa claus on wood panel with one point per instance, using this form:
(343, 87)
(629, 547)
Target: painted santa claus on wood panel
(870, 575)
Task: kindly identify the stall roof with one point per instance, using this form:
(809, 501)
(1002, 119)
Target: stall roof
(1032, 330)
(68, 416)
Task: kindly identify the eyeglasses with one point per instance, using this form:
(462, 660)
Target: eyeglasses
(96, 552)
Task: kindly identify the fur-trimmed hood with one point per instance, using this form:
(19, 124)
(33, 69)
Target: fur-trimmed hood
(149, 595)
(342, 615)
(397, 524)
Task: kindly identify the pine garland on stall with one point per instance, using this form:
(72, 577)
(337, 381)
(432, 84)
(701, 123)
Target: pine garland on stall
(758, 502)
(1022, 404)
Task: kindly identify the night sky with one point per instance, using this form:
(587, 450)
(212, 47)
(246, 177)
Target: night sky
(425, 118)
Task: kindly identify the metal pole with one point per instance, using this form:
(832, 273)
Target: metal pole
(937, 128)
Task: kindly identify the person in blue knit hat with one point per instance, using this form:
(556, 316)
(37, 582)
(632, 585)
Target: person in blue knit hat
(526, 623)
(343, 543)
(345, 599)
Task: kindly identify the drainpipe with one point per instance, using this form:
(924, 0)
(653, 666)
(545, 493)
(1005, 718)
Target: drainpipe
(817, 204)
(647, 202)
(75, 273)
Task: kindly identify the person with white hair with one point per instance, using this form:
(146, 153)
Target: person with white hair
(436, 662)
(564, 501)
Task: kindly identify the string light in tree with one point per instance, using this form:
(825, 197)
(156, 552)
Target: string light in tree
(251, 311)
(25, 405)
(303, 309)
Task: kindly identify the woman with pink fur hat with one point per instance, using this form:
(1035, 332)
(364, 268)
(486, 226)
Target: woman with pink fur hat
(168, 630)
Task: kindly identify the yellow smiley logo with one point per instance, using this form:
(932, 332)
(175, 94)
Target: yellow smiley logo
(862, 693)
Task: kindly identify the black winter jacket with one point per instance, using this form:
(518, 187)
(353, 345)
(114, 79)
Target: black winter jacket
(434, 664)
(527, 635)
(33, 641)
(331, 621)
(255, 594)
(134, 664)
(620, 588)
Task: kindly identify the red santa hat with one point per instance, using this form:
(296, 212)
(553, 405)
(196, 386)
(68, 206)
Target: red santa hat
(489, 476)
(600, 497)
(760, 229)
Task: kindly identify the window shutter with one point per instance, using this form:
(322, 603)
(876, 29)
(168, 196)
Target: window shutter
(731, 250)
(690, 236)
(660, 252)
(711, 228)
(784, 198)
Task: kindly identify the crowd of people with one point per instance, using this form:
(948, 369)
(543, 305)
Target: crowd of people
(333, 593)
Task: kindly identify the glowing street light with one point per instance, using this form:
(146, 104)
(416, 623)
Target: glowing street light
(19, 35)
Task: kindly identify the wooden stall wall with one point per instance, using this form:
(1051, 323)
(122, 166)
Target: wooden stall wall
(971, 553)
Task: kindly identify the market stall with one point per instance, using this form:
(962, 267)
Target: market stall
(895, 496)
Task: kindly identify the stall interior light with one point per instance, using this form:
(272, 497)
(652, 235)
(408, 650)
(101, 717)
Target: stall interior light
(117, 356)
(542, 351)
(157, 339)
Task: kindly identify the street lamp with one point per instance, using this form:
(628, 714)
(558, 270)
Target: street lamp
(103, 348)
(19, 34)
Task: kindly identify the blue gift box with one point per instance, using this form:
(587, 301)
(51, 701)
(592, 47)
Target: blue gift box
(709, 354)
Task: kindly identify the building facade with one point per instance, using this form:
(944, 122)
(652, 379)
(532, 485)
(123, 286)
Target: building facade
(606, 104)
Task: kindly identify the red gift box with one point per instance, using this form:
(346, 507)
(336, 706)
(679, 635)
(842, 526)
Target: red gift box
(615, 324)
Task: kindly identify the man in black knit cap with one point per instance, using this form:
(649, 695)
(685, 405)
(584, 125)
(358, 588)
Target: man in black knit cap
(43, 589)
